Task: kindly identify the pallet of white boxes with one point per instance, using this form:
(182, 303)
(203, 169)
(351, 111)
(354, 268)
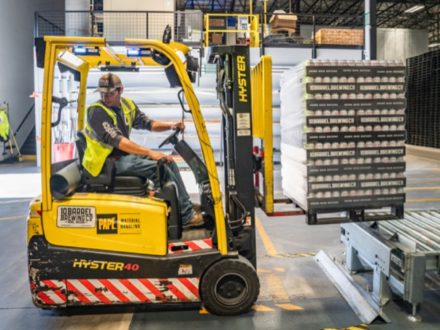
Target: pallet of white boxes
(343, 139)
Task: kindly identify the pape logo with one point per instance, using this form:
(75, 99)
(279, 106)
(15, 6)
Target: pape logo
(107, 224)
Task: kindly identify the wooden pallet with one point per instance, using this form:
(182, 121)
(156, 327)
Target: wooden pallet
(332, 216)
(282, 30)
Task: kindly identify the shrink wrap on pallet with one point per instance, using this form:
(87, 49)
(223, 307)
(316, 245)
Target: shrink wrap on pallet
(343, 135)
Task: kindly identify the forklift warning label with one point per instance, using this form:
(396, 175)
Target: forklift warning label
(76, 216)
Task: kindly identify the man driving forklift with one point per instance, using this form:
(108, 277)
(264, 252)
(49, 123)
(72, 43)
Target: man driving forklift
(98, 240)
(107, 132)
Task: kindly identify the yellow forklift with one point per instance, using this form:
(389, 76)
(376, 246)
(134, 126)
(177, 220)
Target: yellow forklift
(111, 240)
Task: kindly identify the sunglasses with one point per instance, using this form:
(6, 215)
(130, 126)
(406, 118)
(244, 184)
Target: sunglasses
(109, 94)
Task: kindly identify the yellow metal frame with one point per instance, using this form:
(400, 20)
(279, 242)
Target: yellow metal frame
(253, 29)
(262, 122)
(56, 45)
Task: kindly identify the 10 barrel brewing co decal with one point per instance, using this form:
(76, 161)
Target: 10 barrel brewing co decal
(76, 217)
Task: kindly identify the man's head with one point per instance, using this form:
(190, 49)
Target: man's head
(110, 87)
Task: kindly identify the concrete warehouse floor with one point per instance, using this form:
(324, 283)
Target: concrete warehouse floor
(295, 293)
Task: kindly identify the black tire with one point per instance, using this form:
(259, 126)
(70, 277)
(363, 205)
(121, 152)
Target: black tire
(230, 287)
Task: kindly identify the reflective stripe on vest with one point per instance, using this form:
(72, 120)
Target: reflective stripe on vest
(97, 151)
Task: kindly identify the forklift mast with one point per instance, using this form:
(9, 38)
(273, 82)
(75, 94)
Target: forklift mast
(234, 93)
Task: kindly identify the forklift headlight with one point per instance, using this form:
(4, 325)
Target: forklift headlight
(81, 50)
(139, 52)
(133, 52)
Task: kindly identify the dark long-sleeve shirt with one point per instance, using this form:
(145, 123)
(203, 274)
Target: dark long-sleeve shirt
(107, 132)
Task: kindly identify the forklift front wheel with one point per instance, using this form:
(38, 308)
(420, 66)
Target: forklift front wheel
(230, 287)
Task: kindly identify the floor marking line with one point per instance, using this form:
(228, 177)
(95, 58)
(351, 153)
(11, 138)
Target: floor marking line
(290, 307)
(263, 270)
(268, 245)
(297, 255)
(422, 200)
(277, 291)
(421, 188)
(262, 308)
(362, 326)
(203, 311)
(15, 217)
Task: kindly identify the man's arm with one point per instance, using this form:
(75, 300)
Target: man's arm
(160, 126)
(141, 121)
(133, 148)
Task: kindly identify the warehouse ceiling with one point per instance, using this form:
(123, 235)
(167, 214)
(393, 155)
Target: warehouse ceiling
(390, 13)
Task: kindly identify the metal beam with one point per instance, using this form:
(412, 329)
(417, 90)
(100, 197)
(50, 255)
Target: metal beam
(386, 10)
(337, 5)
(312, 6)
(274, 3)
(415, 16)
(394, 15)
(354, 4)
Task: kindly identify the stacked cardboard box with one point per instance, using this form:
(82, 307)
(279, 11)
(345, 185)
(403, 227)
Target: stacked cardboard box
(343, 136)
(280, 22)
(216, 38)
(217, 23)
(349, 37)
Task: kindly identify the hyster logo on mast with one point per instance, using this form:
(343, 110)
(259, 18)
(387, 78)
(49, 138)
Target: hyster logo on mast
(242, 81)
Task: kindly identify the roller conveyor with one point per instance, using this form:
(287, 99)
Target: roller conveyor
(400, 254)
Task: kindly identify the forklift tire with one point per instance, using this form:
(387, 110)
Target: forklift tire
(230, 287)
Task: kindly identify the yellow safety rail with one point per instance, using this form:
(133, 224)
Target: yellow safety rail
(252, 30)
(261, 81)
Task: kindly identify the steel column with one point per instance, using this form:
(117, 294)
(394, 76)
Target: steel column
(370, 28)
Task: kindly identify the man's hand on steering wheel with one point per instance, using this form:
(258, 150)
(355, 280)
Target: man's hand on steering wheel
(157, 155)
(180, 125)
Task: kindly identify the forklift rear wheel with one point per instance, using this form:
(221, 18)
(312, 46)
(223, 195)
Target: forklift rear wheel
(230, 287)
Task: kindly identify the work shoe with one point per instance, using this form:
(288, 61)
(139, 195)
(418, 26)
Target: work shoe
(196, 221)
(197, 207)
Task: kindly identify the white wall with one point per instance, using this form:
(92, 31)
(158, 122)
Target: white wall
(118, 26)
(16, 57)
(143, 5)
(77, 24)
(399, 44)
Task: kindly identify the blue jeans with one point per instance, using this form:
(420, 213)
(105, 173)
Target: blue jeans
(133, 165)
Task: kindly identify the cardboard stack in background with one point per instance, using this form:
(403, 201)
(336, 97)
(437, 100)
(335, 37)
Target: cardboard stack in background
(216, 23)
(348, 37)
(343, 135)
(280, 22)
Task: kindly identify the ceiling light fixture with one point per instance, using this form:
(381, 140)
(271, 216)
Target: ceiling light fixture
(414, 9)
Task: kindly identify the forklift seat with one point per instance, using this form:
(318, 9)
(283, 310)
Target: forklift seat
(107, 181)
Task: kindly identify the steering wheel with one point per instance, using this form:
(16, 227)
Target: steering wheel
(171, 139)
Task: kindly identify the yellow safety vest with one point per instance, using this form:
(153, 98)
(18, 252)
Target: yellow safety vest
(4, 125)
(97, 151)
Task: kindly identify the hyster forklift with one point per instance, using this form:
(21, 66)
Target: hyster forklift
(112, 240)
